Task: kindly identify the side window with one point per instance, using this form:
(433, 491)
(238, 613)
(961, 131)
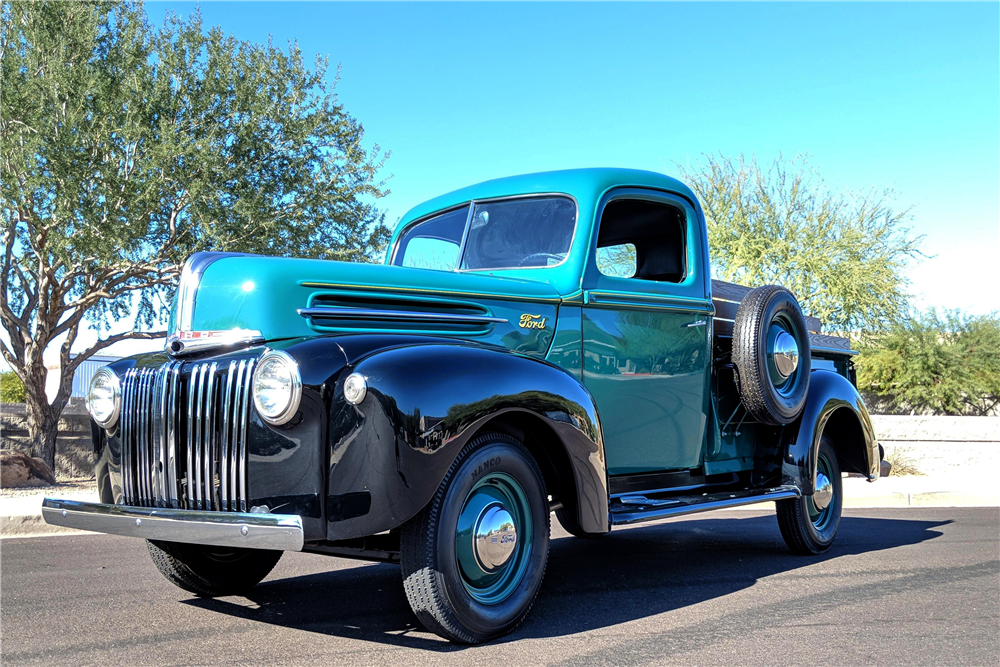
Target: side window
(434, 243)
(643, 240)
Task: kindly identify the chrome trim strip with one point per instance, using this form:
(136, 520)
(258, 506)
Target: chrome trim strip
(224, 441)
(242, 455)
(662, 302)
(681, 508)
(422, 290)
(328, 313)
(225, 529)
(178, 346)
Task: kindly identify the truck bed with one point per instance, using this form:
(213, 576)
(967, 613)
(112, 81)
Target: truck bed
(727, 298)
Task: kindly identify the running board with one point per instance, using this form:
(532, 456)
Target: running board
(637, 508)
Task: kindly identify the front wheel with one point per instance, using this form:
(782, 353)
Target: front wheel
(809, 524)
(473, 559)
(211, 571)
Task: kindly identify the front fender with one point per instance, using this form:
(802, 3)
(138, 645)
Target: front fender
(389, 454)
(833, 403)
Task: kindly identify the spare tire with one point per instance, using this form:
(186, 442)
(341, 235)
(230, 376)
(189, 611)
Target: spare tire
(771, 355)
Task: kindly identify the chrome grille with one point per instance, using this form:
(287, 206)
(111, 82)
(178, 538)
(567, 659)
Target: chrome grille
(184, 443)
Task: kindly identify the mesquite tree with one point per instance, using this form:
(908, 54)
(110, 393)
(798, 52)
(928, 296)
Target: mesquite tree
(124, 148)
(844, 256)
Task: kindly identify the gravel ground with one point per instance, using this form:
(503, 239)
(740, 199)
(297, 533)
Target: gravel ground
(70, 486)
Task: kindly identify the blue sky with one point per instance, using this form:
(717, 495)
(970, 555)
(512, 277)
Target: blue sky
(896, 95)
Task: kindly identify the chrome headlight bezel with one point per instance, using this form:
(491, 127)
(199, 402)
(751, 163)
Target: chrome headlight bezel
(116, 397)
(294, 390)
(355, 388)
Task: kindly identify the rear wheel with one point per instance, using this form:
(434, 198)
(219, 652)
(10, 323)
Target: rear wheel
(809, 524)
(211, 571)
(473, 559)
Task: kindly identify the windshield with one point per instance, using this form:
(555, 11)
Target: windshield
(531, 232)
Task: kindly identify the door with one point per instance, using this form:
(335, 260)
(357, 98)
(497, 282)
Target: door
(647, 332)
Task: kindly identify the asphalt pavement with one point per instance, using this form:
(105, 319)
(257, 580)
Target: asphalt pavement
(900, 587)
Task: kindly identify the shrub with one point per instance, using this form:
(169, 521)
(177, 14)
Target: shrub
(11, 388)
(934, 364)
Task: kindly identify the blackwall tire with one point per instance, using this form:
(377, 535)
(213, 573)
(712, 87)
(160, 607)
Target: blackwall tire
(450, 590)
(809, 530)
(211, 571)
(768, 318)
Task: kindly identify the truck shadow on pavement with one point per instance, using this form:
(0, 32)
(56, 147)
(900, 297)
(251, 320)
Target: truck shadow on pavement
(589, 584)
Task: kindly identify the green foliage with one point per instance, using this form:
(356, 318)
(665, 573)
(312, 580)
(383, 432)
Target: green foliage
(11, 388)
(934, 364)
(843, 256)
(126, 147)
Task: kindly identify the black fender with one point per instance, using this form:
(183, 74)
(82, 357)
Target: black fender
(833, 405)
(425, 401)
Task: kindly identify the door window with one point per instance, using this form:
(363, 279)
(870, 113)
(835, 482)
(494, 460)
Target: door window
(643, 240)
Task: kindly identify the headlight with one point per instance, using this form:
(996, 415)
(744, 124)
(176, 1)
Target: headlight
(277, 387)
(104, 398)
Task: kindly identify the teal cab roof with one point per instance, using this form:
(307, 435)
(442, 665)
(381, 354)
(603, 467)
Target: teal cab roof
(586, 186)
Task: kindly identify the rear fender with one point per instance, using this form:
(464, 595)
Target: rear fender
(389, 454)
(833, 406)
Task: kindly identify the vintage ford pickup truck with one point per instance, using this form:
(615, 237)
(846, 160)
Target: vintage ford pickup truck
(544, 343)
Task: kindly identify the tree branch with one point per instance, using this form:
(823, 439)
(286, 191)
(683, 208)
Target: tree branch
(111, 340)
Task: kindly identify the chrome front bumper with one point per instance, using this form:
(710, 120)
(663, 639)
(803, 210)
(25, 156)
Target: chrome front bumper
(223, 529)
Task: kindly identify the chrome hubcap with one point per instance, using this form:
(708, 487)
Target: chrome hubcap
(785, 354)
(495, 538)
(824, 492)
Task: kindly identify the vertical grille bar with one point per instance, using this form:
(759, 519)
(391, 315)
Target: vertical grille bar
(140, 423)
(192, 382)
(170, 466)
(163, 387)
(238, 428)
(224, 440)
(126, 434)
(144, 440)
(140, 439)
(133, 487)
(199, 434)
(242, 455)
(156, 439)
(209, 461)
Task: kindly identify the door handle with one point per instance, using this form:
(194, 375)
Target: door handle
(696, 323)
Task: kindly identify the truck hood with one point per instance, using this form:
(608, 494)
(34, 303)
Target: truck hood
(287, 298)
